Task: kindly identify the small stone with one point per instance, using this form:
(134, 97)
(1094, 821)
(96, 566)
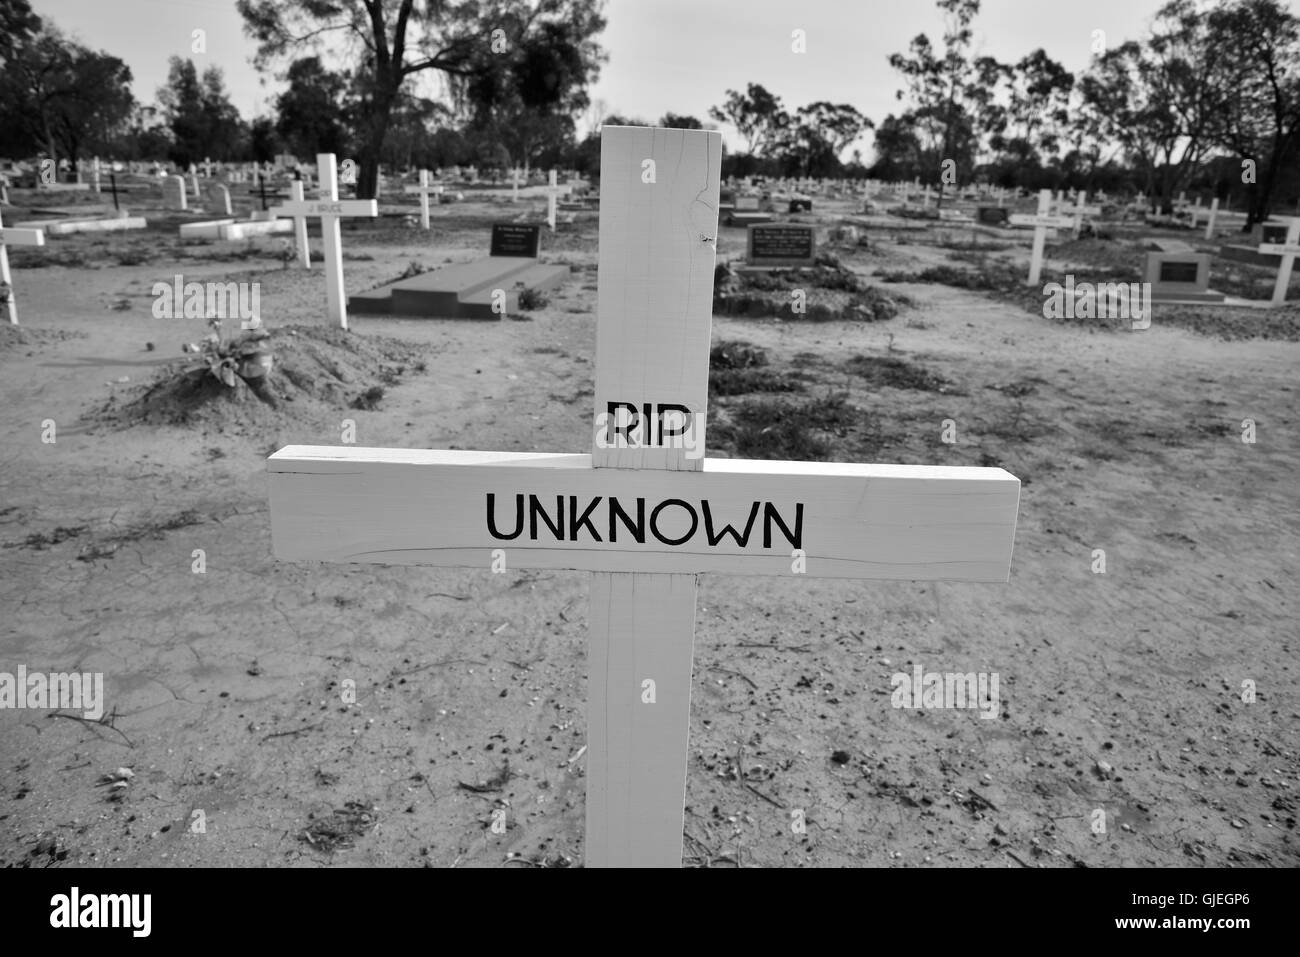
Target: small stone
(1104, 770)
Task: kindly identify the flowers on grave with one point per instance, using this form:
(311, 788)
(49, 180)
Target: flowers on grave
(247, 357)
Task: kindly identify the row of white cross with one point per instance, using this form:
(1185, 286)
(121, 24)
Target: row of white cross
(329, 208)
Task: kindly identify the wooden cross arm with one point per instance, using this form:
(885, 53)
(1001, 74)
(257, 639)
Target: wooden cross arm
(1279, 249)
(14, 236)
(327, 207)
(554, 511)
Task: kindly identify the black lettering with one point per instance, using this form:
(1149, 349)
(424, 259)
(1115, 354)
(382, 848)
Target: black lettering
(519, 518)
(576, 521)
(742, 541)
(637, 530)
(535, 508)
(770, 514)
(654, 527)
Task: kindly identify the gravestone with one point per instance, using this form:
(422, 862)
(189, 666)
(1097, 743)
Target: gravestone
(781, 245)
(747, 211)
(459, 508)
(221, 198)
(1270, 231)
(516, 239)
(992, 215)
(1180, 276)
(174, 197)
(801, 204)
(13, 237)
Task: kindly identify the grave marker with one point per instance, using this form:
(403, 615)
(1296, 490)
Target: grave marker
(223, 198)
(454, 508)
(1288, 249)
(516, 239)
(174, 193)
(1179, 274)
(1041, 223)
(300, 226)
(13, 237)
(1214, 213)
(553, 192)
(330, 208)
(425, 190)
(1081, 209)
(781, 245)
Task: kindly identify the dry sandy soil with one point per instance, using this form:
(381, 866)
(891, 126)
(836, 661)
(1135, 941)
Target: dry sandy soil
(1120, 691)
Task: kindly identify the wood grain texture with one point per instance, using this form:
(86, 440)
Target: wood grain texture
(655, 285)
(641, 627)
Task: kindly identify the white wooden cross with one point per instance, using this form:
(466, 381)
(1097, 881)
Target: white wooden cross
(1041, 223)
(1214, 212)
(424, 189)
(1081, 209)
(330, 208)
(553, 191)
(647, 518)
(514, 184)
(1288, 250)
(300, 225)
(12, 236)
(94, 174)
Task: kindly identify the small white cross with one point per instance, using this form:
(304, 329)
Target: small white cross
(14, 237)
(1288, 250)
(329, 208)
(424, 189)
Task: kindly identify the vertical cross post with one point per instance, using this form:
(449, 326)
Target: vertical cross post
(551, 194)
(300, 226)
(16, 237)
(1288, 250)
(654, 315)
(1214, 212)
(332, 238)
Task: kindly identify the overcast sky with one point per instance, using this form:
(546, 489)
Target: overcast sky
(664, 55)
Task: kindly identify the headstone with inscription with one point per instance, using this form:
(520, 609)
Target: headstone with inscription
(781, 245)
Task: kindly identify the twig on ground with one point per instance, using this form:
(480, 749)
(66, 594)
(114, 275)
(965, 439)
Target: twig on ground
(285, 734)
(104, 721)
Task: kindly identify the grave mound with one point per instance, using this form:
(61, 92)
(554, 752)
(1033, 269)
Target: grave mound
(833, 292)
(740, 368)
(314, 370)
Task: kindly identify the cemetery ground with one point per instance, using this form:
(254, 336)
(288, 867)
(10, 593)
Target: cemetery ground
(1120, 691)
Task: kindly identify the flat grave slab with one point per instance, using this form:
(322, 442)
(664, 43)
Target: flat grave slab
(64, 227)
(468, 290)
